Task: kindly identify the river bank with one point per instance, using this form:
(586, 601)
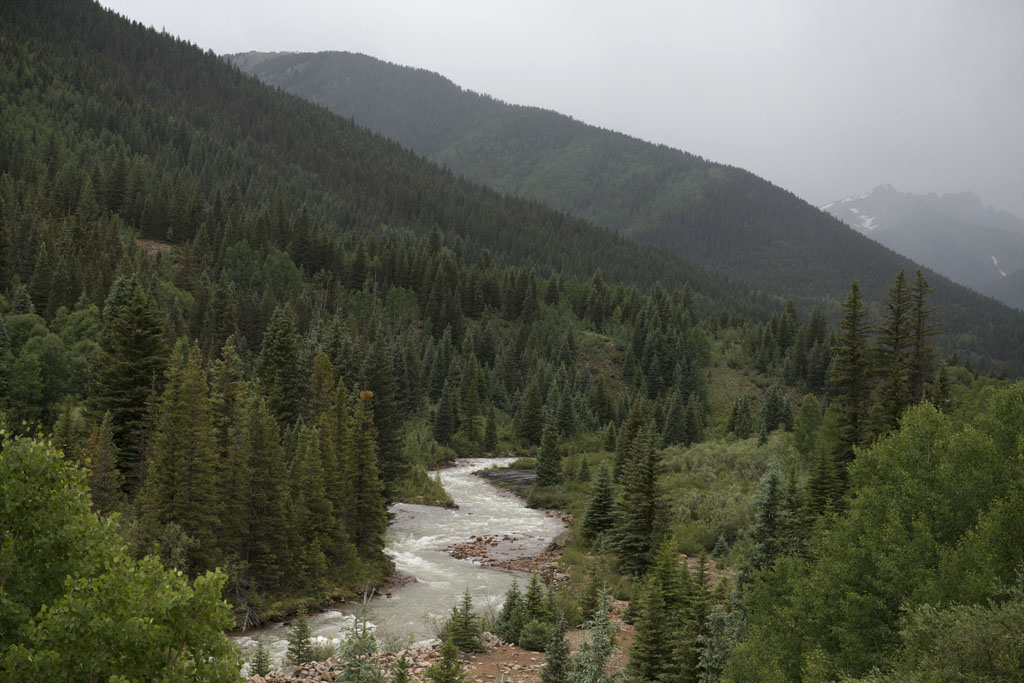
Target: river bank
(418, 541)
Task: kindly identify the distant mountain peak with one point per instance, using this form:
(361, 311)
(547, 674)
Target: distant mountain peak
(954, 234)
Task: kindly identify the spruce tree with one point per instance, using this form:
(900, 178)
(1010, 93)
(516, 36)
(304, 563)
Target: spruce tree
(530, 418)
(368, 506)
(378, 377)
(130, 368)
(894, 342)
(260, 664)
(314, 526)
(300, 645)
(600, 514)
(181, 484)
(491, 432)
(444, 417)
(590, 663)
(806, 424)
(505, 625)
(850, 380)
(279, 367)
(610, 437)
(640, 514)
(556, 657)
(448, 669)
(100, 456)
(549, 460)
(268, 551)
(922, 354)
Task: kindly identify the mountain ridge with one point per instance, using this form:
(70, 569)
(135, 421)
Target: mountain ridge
(954, 234)
(720, 216)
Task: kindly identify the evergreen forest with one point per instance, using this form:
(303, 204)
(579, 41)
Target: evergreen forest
(720, 216)
(235, 327)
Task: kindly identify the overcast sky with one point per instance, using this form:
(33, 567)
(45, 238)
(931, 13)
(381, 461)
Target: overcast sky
(824, 98)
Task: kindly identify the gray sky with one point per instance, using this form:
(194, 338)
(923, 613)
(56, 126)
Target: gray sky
(824, 98)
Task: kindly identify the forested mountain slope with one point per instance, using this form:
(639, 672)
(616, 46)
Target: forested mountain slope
(253, 323)
(718, 215)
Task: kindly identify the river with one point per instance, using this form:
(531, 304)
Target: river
(416, 541)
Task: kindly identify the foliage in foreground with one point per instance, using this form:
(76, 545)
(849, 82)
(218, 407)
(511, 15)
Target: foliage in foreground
(933, 534)
(75, 606)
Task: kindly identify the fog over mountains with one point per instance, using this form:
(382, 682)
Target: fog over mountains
(954, 234)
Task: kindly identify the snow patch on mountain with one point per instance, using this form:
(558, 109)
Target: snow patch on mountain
(996, 264)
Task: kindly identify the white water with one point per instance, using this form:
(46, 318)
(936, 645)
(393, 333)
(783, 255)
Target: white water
(416, 541)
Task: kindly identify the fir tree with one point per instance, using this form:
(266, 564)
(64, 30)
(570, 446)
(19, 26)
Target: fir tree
(279, 367)
(491, 432)
(378, 377)
(100, 458)
(444, 417)
(530, 419)
(463, 627)
(640, 514)
(806, 424)
(181, 486)
(368, 507)
(549, 469)
(556, 657)
(600, 515)
(448, 669)
(894, 342)
(260, 664)
(130, 368)
(300, 645)
(850, 379)
(922, 354)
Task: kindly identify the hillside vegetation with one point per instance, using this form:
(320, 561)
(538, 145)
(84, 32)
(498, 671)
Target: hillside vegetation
(719, 216)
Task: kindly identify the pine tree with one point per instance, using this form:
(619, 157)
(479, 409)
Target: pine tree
(378, 377)
(922, 354)
(279, 367)
(300, 646)
(100, 456)
(894, 342)
(400, 671)
(549, 460)
(600, 515)
(850, 380)
(556, 657)
(369, 506)
(640, 514)
(260, 664)
(510, 619)
(491, 432)
(181, 484)
(530, 419)
(463, 627)
(806, 424)
(268, 551)
(129, 370)
(444, 417)
(448, 669)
